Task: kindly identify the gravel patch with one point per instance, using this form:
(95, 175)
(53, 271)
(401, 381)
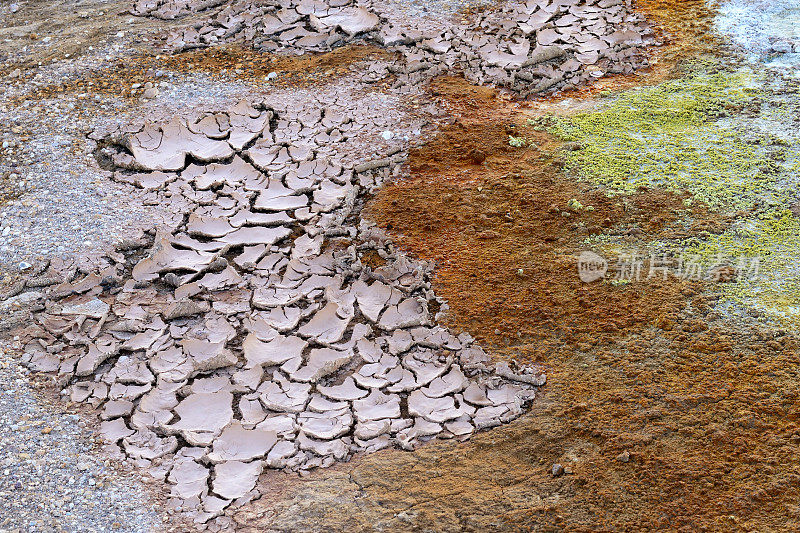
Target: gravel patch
(50, 477)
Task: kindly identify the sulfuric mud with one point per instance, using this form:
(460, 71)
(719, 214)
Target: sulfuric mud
(662, 414)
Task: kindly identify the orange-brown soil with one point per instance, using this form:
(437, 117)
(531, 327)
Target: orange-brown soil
(248, 64)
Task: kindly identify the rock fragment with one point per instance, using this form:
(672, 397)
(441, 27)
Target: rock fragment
(236, 443)
(234, 479)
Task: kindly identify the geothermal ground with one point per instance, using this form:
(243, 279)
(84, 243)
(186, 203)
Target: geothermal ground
(304, 265)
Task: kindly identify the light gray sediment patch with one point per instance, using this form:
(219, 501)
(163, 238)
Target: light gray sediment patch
(768, 30)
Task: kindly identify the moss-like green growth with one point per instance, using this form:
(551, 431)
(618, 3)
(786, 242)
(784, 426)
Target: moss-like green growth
(516, 142)
(730, 140)
(575, 205)
(673, 136)
(764, 250)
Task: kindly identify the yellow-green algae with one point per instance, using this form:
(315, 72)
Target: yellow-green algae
(772, 240)
(693, 135)
(670, 136)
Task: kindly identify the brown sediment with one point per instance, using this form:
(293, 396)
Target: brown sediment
(248, 64)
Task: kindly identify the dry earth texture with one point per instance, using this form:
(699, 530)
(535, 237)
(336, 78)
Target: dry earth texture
(347, 295)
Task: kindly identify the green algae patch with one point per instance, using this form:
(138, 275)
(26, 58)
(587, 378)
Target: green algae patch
(676, 136)
(764, 250)
(728, 142)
